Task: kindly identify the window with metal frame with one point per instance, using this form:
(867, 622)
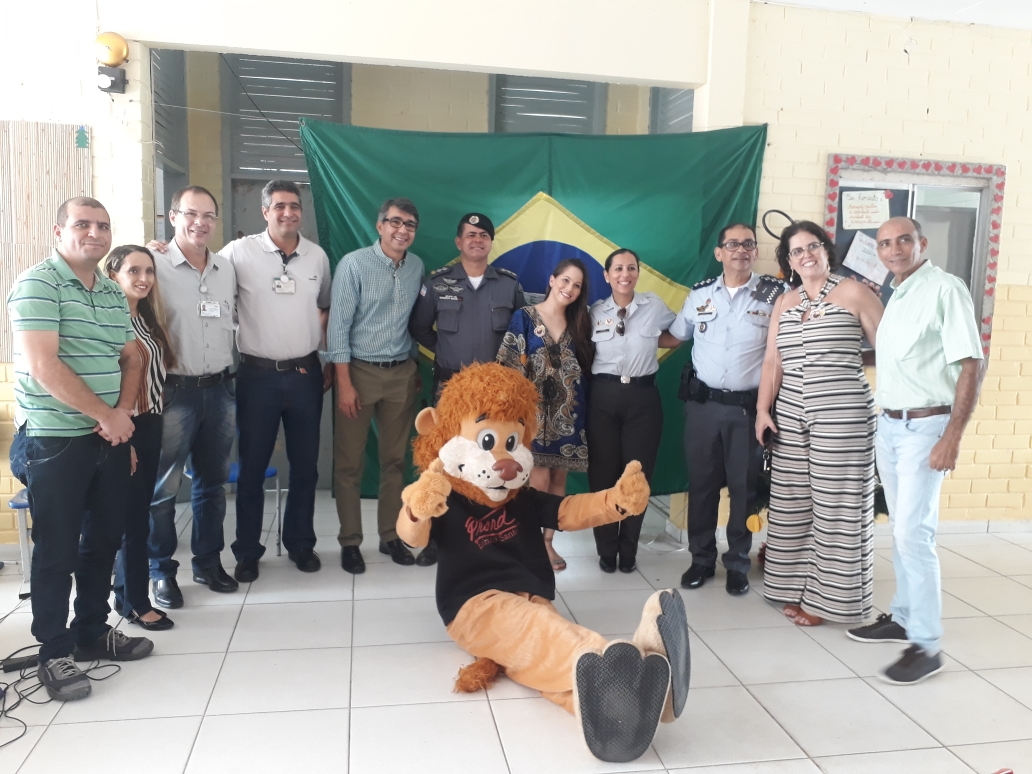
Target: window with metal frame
(168, 83)
(531, 104)
(671, 110)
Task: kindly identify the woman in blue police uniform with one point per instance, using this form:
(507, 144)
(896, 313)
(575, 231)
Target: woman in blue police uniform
(625, 412)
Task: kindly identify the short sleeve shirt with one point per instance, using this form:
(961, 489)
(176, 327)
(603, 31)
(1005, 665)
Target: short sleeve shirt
(927, 329)
(634, 353)
(93, 326)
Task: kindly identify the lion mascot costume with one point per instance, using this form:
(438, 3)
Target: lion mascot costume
(495, 585)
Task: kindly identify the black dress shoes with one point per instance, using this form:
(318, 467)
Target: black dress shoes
(167, 594)
(216, 579)
(246, 570)
(428, 556)
(737, 583)
(627, 563)
(306, 560)
(160, 625)
(607, 563)
(695, 576)
(351, 560)
(399, 553)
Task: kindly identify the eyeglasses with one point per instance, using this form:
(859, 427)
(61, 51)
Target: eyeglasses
(410, 225)
(205, 217)
(813, 247)
(733, 245)
(620, 329)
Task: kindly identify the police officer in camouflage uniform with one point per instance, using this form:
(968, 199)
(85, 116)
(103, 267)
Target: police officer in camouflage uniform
(470, 302)
(728, 317)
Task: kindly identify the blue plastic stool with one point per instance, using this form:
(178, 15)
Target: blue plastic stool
(20, 505)
(270, 472)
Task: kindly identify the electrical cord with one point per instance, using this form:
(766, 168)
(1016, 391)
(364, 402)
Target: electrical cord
(243, 88)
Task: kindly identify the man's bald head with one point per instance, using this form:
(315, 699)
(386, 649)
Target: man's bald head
(900, 246)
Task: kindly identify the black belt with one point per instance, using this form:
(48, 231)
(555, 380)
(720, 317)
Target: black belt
(746, 398)
(210, 380)
(647, 381)
(308, 361)
(381, 363)
(918, 413)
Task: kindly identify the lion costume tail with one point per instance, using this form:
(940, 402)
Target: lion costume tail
(477, 676)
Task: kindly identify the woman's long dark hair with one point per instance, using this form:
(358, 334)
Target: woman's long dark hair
(781, 251)
(150, 308)
(578, 321)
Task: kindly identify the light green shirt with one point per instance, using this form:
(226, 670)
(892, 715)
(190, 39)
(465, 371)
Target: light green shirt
(928, 328)
(92, 325)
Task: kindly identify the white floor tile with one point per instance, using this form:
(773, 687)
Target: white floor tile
(397, 622)
(579, 543)
(314, 742)
(293, 626)
(608, 612)
(962, 540)
(288, 584)
(408, 674)
(1021, 623)
(961, 708)
(700, 737)
(89, 748)
(582, 573)
(769, 767)
(1006, 559)
(18, 743)
(866, 659)
(430, 737)
(197, 594)
(393, 581)
(204, 629)
(154, 687)
(953, 565)
(282, 680)
(985, 643)
(708, 671)
(994, 596)
(778, 655)
(985, 758)
(883, 569)
(840, 717)
(951, 606)
(711, 607)
(505, 688)
(1024, 580)
(1014, 682)
(936, 761)
(558, 742)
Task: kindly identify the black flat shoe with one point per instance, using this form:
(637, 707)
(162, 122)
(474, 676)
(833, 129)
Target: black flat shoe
(216, 579)
(306, 560)
(167, 594)
(695, 576)
(351, 560)
(607, 563)
(246, 570)
(737, 583)
(160, 625)
(627, 563)
(428, 556)
(398, 552)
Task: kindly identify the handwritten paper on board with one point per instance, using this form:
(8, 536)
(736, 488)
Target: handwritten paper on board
(864, 209)
(862, 257)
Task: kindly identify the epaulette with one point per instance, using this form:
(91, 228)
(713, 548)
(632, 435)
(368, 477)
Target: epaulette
(705, 283)
(443, 269)
(507, 273)
(768, 289)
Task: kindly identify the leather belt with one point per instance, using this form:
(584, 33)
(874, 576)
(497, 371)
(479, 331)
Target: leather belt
(308, 361)
(648, 381)
(210, 380)
(381, 363)
(919, 413)
(746, 398)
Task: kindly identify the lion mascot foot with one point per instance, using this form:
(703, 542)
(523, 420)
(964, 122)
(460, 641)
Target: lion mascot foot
(664, 629)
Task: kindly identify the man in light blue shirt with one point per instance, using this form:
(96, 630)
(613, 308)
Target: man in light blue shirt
(374, 290)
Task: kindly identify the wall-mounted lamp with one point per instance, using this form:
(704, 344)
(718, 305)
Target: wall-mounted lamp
(112, 52)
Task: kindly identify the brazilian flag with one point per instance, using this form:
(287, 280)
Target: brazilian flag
(551, 197)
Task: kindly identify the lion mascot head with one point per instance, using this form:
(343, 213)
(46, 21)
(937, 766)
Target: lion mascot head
(481, 430)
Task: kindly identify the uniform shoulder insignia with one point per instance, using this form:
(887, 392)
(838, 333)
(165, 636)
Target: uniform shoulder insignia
(442, 270)
(704, 284)
(768, 289)
(506, 272)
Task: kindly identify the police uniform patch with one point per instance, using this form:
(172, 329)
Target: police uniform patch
(447, 298)
(704, 284)
(422, 290)
(506, 272)
(450, 280)
(702, 327)
(442, 288)
(473, 220)
(443, 269)
(768, 289)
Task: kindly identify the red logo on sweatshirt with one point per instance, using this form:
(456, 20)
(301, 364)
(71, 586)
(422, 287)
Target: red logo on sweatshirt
(493, 527)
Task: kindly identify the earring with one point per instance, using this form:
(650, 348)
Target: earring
(792, 279)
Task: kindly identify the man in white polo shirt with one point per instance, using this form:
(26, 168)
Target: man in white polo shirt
(928, 370)
(283, 287)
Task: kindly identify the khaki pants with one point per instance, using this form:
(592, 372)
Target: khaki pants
(389, 395)
(526, 635)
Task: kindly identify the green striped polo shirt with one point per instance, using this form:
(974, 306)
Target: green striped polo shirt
(93, 326)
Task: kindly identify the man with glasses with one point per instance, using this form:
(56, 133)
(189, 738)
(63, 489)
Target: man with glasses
(929, 361)
(283, 298)
(198, 289)
(374, 290)
(728, 317)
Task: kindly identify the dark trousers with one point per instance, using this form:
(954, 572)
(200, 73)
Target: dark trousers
(77, 498)
(721, 449)
(132, 573)
(264, 399)
(625, 422)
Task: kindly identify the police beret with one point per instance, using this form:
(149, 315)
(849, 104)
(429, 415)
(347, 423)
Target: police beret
(479, 220)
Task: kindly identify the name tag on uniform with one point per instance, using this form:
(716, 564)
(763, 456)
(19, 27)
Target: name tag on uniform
(210, 309)
(283, 285)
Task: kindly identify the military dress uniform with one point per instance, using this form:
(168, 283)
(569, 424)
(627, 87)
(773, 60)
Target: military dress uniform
(625, 410)
(471, 320)
(730, 328)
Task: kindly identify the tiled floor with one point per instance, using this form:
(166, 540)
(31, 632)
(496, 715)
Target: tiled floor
(334, 673)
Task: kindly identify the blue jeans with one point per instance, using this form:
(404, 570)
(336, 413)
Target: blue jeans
(77, 498)
(199, 424)
(264, 398)
(131, 576)
(912, 487)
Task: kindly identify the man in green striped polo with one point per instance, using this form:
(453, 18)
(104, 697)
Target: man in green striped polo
(76, 378)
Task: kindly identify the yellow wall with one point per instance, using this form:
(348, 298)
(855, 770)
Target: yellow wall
(204, 131)
(830, 82)
(422, 100)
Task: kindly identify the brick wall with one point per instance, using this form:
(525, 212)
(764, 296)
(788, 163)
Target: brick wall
(830, 82)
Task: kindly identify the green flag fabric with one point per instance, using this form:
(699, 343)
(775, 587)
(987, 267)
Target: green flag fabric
(555, 197)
